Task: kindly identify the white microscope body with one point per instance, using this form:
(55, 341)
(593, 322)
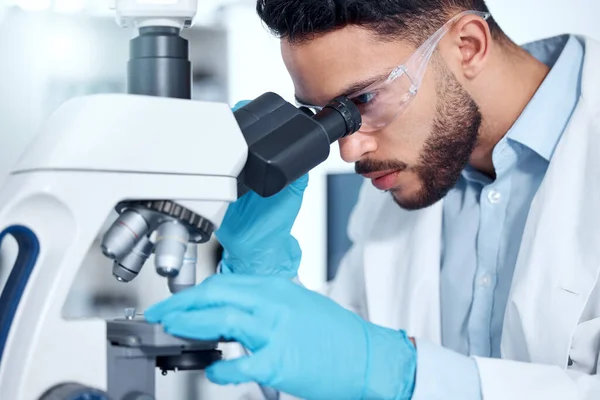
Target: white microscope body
(170, 167)
(92, 154)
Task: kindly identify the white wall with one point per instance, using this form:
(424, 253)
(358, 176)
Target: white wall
(38, 49)
(527, 20)
(19, 89)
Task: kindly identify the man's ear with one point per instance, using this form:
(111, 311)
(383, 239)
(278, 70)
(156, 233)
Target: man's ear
(472, 38)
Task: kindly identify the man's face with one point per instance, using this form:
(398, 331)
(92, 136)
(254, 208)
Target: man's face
(419, 156)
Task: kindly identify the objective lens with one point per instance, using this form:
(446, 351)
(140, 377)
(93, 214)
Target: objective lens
(171, 244)
(129, 267)
(123, 234)
(186, 278)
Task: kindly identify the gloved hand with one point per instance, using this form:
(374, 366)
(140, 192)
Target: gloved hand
(301, 343)
(256, 232)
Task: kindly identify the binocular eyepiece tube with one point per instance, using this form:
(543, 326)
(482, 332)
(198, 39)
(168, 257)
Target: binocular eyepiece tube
(286, 142)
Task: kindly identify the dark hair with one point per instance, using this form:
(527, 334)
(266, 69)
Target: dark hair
(413, 20)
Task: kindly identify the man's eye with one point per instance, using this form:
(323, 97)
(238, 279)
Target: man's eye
(364, 98)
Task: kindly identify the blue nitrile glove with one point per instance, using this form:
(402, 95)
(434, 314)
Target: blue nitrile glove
(301, 343)
(256, 232)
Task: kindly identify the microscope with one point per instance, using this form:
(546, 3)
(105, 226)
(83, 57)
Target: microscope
(170, 167)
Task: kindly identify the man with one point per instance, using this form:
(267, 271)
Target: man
(476, 250)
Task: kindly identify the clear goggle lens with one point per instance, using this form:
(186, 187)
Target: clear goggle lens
(382, 104)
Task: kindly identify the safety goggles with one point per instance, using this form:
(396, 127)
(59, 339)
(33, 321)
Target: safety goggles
(381, 102)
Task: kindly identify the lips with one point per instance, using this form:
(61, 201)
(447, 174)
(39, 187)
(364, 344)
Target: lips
(383, 180)
(377, 174)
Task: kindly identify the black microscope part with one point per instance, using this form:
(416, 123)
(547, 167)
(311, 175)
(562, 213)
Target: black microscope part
(286, 142)
(188, 361)
(159, 64)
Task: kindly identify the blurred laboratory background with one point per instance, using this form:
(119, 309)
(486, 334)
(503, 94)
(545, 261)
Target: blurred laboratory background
(54, 50)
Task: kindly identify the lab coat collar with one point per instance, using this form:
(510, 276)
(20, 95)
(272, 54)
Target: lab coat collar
(536, 128)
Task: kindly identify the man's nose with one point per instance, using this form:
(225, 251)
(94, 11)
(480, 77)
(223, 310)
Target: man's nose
(354, 147)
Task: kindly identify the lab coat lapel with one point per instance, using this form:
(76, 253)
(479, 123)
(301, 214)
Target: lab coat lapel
(402, 267)
(559, 261)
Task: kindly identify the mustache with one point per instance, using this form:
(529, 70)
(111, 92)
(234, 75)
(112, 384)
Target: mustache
(368, 166)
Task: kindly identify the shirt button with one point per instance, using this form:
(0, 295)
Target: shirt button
(494, 196)
(485, 280)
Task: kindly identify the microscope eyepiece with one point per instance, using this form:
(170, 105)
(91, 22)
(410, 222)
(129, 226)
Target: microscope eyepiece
(348, 111)
(339, 118)
(285, 142)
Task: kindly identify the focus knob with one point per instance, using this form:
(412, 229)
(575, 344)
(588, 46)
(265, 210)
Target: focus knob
(74, 391)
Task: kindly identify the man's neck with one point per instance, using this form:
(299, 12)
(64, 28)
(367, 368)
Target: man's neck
(502, 92)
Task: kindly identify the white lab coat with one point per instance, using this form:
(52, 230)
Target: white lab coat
(391, 274)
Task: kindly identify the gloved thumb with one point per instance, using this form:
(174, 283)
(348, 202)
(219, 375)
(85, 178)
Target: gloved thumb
(227, 372)
(300, 184)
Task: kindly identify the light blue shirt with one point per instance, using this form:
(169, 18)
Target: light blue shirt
(483, 223)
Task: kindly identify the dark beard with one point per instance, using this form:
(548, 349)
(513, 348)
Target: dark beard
(447, 150)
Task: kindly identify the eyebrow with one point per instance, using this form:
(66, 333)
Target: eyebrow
(351, 89)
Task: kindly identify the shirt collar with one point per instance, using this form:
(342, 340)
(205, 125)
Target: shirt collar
(544, 119)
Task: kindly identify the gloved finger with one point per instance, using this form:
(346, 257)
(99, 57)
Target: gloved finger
(301, 183)
(258, 367)
(297, 187)
(242, 291)
(220, 323)
(236, 371)
(240, 104)
(244, 206)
